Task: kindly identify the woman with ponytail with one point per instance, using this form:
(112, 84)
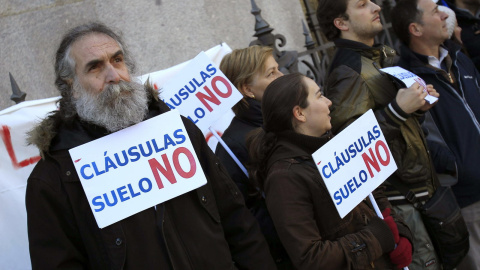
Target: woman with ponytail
(296, 123)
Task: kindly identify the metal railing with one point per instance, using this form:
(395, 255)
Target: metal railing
(315, 60)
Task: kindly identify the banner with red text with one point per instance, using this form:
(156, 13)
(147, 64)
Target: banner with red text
(17, 161)
(355, 162)
(201, 92)
(137, 167)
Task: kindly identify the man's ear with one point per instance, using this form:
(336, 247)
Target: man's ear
(415, 29)
(247, 91)
(298, 114)
(341, 24)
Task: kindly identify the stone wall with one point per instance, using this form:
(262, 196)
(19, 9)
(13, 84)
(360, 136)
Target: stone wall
(160, 33)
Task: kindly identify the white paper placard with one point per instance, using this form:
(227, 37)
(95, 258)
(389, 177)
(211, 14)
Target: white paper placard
(355, 162)
(409, 78)
(201, 92)
(138, 167)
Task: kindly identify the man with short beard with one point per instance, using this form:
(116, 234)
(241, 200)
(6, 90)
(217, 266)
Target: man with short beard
(355, 85)
(207, 228)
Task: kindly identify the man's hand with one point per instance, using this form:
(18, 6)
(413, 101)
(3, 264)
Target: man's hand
(412, 98)
(432, 92)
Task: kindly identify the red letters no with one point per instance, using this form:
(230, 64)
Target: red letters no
(166, 171)
(225, 82)
(385, 148)
(372, 159)
(191, 160)
(210, 96)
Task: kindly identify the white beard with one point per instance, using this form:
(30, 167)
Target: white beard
(116, 107)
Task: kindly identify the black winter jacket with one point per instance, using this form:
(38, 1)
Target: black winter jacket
(355, 84)
(456, 115)
(234, 137)
(207, 228)
(314, 234)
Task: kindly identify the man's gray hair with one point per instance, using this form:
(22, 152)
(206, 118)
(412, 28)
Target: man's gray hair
(65, 64)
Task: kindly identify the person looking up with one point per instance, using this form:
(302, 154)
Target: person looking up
(251, 70)
(296, 121)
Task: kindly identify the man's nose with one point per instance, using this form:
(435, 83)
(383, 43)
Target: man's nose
(445, 15)
(112, 75)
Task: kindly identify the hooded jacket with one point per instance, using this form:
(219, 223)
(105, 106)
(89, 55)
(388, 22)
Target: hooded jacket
(456, 115)
(307, 220)
(207, 228)
(355, 85)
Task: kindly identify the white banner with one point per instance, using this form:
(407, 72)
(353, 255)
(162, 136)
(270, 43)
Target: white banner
(201, 92)
(355, 162)
(137, 167)
(17, 161)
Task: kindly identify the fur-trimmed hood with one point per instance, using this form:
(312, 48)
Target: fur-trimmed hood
(43, 134)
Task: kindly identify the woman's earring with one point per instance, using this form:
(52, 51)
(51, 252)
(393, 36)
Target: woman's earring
(253, 96)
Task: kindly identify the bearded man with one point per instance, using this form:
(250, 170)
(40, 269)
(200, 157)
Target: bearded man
(207, 228)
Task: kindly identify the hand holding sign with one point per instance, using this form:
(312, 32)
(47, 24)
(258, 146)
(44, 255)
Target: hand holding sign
(409, 79)
(432, 93)
(352, 166)
(411, 99)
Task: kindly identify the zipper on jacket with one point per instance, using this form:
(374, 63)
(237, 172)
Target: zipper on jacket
(165, 239)
(450, 77)
(467, 107)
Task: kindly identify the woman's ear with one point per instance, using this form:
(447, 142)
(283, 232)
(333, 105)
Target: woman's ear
(247, 91)
(298, 114)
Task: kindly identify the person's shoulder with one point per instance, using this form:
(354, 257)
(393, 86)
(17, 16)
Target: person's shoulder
(48, 170)
(191, 128)
(345, 57)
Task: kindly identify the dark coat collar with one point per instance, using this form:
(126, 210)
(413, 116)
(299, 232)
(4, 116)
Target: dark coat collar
(252, 115)
(291, 144)
(414, 61)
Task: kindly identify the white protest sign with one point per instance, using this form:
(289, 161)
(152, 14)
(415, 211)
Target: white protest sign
(355, 162)
(138, 167)
(201, 92)
(409, 78)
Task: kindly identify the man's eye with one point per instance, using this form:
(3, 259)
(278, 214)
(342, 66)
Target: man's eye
(118, 59)
(93, 67)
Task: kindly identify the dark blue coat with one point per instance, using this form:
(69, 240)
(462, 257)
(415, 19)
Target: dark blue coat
(457, 114)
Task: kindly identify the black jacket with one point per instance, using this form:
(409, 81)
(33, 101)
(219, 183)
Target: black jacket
(207, 228)
(234, 137)
(456, 115)
(470, 32)
(307, 219)
(355, 84)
